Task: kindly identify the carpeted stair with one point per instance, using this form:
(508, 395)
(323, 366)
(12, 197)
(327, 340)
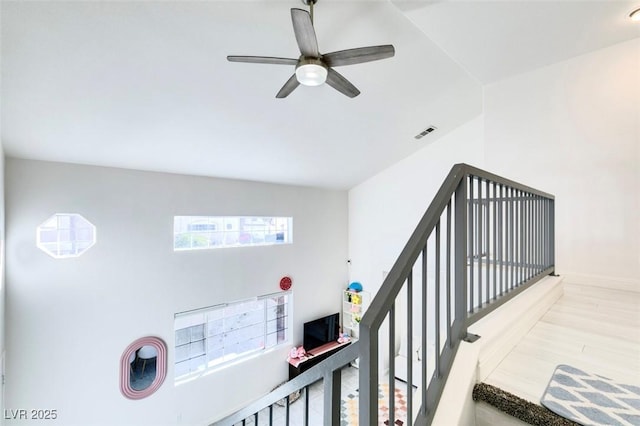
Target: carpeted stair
(517, 407)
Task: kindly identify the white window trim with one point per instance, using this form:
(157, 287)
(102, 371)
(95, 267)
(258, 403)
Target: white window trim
(227, 237)
(45, 246)
(241, 357)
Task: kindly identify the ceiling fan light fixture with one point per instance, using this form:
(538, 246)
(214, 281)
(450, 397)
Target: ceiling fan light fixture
(635, 15)
(311, 74)
(312, 67)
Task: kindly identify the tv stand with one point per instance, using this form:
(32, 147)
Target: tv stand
(314, 357)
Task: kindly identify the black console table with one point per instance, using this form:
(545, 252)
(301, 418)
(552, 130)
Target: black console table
(314, 357)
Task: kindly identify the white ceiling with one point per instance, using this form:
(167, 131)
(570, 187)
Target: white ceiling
(494, 40)
(146, 85)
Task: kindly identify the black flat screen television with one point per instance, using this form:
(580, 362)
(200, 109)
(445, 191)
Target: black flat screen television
(321, 331)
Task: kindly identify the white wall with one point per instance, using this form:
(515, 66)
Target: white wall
(69, 320)
(385, 209)
(2, 269)
(573, 129)
(2, 279)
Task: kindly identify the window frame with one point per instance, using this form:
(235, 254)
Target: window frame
(69, 235)
(192, 233)
(208, 365)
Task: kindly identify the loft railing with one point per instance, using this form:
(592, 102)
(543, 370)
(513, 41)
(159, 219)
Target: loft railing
(483, 240)
(328, 370)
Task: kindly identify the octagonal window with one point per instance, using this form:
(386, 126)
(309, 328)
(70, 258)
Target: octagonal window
(66, 235)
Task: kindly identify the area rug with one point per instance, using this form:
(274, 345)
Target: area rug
(349, 407)
(591, 400)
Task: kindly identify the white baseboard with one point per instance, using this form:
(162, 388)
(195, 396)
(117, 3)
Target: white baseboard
(615, 283)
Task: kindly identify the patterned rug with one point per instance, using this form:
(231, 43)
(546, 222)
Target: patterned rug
(349, 407)
(589, 399)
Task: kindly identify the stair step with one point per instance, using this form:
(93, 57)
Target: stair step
(517, 407)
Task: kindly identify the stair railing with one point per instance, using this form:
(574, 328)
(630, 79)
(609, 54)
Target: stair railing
(483, 240)
(328, 370)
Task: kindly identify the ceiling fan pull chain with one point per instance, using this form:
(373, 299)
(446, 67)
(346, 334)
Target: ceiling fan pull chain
(311, 10)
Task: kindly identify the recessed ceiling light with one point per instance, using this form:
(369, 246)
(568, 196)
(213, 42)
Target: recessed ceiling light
(635, 15)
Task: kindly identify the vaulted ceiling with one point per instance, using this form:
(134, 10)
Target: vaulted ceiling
(146, 85)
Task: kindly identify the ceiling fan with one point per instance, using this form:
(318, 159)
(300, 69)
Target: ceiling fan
(313, 68)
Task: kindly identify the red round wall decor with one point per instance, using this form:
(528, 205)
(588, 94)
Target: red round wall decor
(285, 283)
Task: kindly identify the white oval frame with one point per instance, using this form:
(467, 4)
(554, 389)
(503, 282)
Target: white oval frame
(161, 367)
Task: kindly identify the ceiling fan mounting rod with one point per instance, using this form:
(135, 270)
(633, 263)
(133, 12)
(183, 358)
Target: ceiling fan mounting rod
(310, 3)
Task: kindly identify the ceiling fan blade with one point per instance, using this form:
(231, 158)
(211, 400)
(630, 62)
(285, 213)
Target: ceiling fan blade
(358, 55)
(288, 87)
(305, 34)
(262, 60)
(341, 84)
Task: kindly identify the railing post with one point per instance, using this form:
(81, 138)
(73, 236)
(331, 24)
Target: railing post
(392, 376)
(459, 328)
(332, 386)
(368, 375)
(470, 234)
(552, 234)
(410, 346)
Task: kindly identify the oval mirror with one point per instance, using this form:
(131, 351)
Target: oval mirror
(143, 367)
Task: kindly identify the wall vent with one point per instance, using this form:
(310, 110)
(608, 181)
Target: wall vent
(425, 132)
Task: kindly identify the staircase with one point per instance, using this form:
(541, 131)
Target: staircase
(483, 241)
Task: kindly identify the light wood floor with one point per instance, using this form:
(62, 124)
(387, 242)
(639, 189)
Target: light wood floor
(591, 328)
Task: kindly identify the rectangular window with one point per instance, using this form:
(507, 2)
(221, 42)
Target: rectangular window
(203, 232)
(211, 337)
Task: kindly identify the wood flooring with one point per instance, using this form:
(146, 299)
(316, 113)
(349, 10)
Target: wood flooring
(591, 328)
